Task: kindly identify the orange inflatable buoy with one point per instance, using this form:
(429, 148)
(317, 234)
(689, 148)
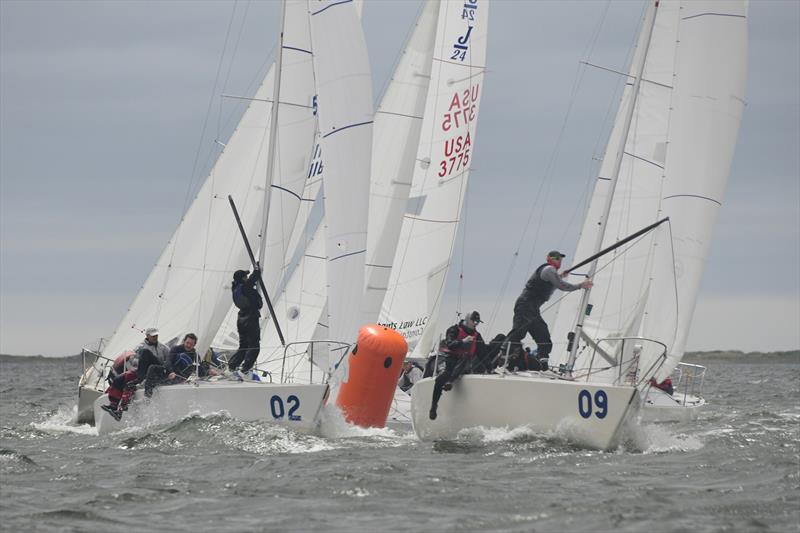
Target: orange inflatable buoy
(374, 368)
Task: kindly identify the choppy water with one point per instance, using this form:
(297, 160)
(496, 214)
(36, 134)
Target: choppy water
(735, 469)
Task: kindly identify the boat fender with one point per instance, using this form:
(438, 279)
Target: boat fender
(373, 370)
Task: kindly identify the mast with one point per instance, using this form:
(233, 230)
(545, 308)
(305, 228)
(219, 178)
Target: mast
(273, 137)
(649, 23)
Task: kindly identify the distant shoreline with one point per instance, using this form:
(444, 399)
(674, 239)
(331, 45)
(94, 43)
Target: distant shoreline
(735, 356)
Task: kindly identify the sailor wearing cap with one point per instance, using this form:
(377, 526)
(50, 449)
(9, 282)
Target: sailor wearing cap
(458, 349)
(149, 352)
(539, 288)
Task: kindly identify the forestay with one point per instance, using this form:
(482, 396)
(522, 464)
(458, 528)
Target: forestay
(447, 141)
(189, 286)
(676, 160)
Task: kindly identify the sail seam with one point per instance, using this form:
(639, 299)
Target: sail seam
(397, 114)
(330, 6)
(377, 266)
(715, 15)
(346, 255)
(346, 127)
(478, 67)
(693, 196)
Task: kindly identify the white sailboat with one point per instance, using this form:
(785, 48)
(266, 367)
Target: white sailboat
(668, 156)
(188, 290)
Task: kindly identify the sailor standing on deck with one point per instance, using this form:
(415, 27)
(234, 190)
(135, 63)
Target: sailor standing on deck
(247, 299)
(539, 288)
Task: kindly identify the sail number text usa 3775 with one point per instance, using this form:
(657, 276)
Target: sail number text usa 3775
(586, 405)
(461, 112)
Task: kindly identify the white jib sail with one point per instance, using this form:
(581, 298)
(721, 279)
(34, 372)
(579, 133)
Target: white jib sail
(189, 286)
(678, 147)
(447, 140)
(344, 89)
(398, 123)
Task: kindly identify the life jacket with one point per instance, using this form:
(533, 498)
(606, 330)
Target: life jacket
(240, 300)
(119, 364)
(183, 364)
(462, 349)
(538, 290)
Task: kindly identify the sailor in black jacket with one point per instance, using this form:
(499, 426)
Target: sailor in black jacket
(539, 288)
(247, 299)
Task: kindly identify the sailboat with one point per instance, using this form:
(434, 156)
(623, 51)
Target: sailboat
(426, 120)
(327, 93)
(661, 183)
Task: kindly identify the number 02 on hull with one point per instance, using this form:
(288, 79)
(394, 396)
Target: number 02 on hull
(590, 414)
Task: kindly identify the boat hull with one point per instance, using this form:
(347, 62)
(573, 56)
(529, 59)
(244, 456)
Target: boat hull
(658, 406)
(86, 398)
(296, 406)
(589, 414)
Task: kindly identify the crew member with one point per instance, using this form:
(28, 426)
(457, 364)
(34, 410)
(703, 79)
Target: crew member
(539, 288)
(459, 347)
(247, 299)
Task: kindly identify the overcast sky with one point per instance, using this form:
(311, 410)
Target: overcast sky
(102, 113)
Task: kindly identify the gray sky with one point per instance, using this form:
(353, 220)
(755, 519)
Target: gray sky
(102, 107)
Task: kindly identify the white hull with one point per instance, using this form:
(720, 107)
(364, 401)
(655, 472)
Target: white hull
(587, 413)
(86, 398)
(658, 406)
(296, 406)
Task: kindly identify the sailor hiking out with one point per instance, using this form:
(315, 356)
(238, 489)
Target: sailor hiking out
(458, 349)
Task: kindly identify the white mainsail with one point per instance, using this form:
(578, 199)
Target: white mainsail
(428, 232)
(344, 91)
(676, 160)
(294, 150)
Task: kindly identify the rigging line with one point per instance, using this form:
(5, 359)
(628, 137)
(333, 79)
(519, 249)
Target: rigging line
(379, 96)
(464, 210)
(675, 284)
(580, 71)
(554, 156)
(173, 242)
(230, 64)
(605, 133)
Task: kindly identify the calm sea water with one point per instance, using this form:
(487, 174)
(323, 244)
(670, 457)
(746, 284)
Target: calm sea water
(735, 469)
